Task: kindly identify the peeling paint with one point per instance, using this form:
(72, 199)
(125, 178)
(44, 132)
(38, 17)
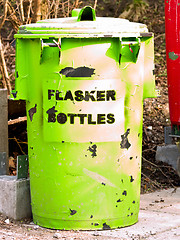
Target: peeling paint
(51, 114)
(120, 56)
(96, 224)
(124, 193)
(77, 72)
(72, 212)
(106, 227)
(125, 142)
(32, 111)
(131, 179)
(173, 56)
(98, 177)
(51, 110)
(93, 150)
(14, 94)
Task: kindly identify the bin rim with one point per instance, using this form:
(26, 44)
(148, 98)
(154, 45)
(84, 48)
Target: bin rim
(70, 27)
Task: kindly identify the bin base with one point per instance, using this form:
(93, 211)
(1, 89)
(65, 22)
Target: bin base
(85, 224)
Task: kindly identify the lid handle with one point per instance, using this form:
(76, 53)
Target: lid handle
(87, 14)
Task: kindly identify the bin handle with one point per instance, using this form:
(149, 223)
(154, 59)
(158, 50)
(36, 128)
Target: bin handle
(87, 14)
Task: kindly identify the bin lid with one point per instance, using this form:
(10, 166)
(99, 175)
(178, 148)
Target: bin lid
(85, 25)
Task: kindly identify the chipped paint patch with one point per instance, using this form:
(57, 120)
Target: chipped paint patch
(77, 72)
(124, 193)
(106, 227)
(125, 142)
(173, 56)
(93, 150)
(32, 111)
(131, 179)
(98, 177)
(96, 224)
(14, 94)
(72, 212)
(51, 114)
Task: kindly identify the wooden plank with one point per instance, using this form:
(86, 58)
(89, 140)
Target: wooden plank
(17, 120)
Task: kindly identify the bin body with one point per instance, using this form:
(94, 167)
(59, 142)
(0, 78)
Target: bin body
(84, 122)
(172, 12)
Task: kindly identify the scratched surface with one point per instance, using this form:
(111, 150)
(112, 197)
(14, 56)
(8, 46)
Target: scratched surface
(84, 107)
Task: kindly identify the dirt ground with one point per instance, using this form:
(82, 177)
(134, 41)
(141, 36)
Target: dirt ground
(16, 230)
(155, 175)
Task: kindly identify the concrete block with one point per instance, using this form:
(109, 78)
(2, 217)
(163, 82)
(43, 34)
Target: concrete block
(15, 197)
(169, 154)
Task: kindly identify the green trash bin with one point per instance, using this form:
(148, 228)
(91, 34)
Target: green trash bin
(84, 80)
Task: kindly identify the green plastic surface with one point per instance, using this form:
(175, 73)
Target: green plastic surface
(84, 101)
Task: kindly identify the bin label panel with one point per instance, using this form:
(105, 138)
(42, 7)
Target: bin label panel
(83, 110)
